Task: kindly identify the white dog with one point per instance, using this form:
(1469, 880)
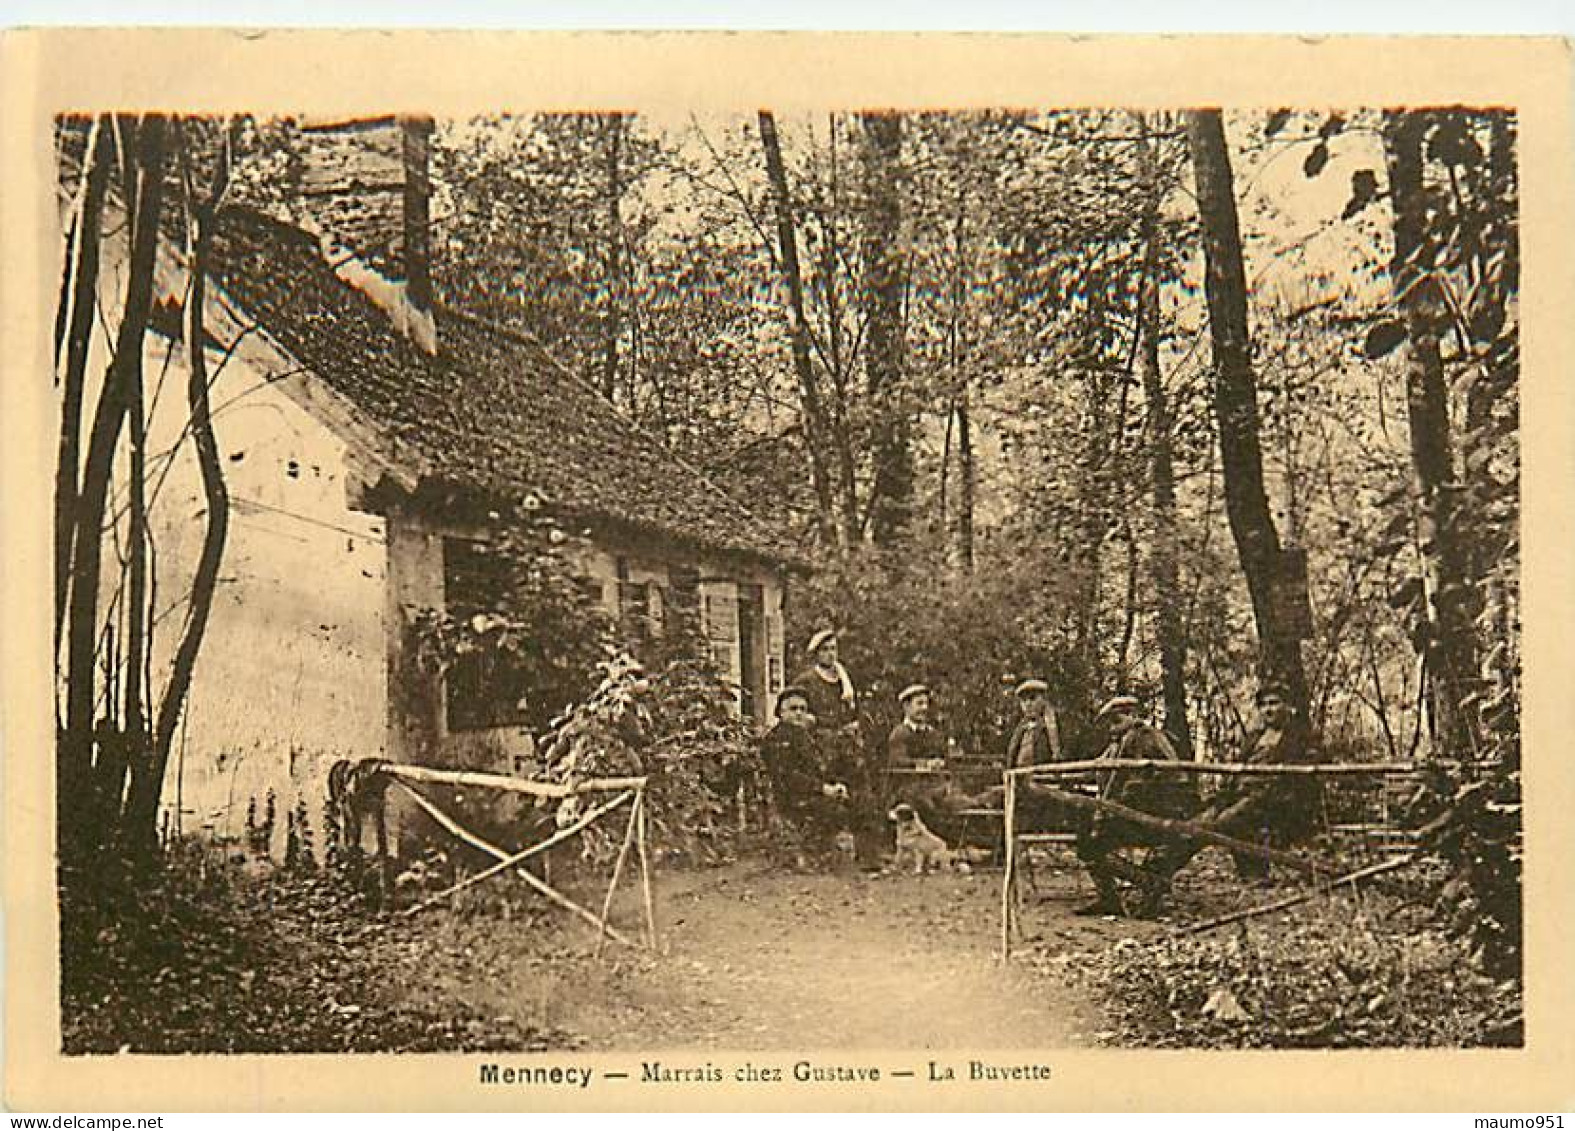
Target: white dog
(916, 841)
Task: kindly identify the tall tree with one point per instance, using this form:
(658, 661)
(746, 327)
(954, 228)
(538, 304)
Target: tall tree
(1236, 409)
(891, 446)
(146, 148)
(1450, 644)
(148, 776)
(81, 300)
(612, 131)
(815, 421)
(1160, 428)
(113, 750)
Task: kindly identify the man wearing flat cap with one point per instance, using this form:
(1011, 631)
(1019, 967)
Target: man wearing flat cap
(1037, 737)
(1263, 810)
(829, 689)
(809, 787)
(1104, 835)
(1035, 741)
(913, 742)
(915, 745)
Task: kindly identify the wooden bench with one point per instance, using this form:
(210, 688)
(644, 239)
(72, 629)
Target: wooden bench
(995, 821)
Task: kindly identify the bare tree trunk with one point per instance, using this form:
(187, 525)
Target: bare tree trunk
(142, 808)
(959, 408)
(612, 323)
(1452, 645)
(1130, 599)
(891, 447)
(82, 298)
(830, 254)
(809, 390)
(837, 363)
(946, 471)
(1236, 406)
(1089, 527)
(68, 265)
(135, 716)
(135, 562)
(965, 462)
(74, 770)
(1167, 580)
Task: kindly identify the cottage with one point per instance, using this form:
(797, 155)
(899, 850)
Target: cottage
(366, 431)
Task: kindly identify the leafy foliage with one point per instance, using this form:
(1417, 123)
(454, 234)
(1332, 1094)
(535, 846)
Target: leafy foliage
(199, 957)
(535, 631)
(1479, 898)
(675, 721)
(1343, 977)
(904, 618)
(605, 699)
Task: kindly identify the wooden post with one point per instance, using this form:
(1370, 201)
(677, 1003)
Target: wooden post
(1009, 872)
(385, 887)
(612, 885)
(645, 868)
(574, 908)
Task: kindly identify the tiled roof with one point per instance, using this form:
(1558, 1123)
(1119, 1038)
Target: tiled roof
(490, 412)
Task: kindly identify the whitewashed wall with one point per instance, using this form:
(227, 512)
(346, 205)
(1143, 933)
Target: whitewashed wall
(291, 674)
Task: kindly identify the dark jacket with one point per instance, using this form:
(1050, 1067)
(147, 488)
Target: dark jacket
(826, 703)
(1151, 791)
(1282, 809)
(1041, 747)
(907, 746)
(797, 765)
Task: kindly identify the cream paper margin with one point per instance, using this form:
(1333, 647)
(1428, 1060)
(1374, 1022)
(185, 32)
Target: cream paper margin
(461, 73)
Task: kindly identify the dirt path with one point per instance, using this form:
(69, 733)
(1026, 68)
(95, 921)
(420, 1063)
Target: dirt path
(757, 959)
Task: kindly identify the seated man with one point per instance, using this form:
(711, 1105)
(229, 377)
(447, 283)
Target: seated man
(1260, 810)
(1269, 811)
(913, 742)
(1037, 738)
(834, 702)
(1103, 835)
(1035, 741)
(810, 792)
(913, 745)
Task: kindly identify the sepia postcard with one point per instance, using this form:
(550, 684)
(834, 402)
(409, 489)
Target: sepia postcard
(786, 572)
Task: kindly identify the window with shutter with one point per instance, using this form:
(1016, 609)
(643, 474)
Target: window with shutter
(775, 650)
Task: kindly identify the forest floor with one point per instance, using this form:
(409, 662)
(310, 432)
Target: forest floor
(751, 956)
(755, 957)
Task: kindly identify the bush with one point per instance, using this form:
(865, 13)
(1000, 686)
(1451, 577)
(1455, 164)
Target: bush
(193, 955)
(1328, 978)
(605, 698)
(904, 619)
(676, 725)
(1477, 836)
